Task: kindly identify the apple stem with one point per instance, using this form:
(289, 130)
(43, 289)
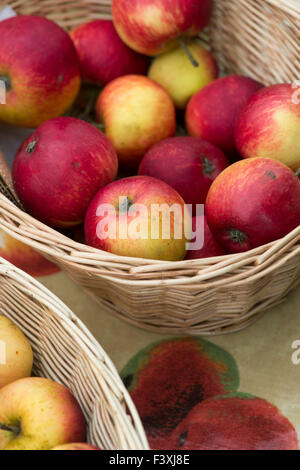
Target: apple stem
(100, 126)
(13, 429)
(208, 167)
(7, 81)
(188, 52)
(125, 205)
(182, 438)
(90, 105)
(31, 146)
(237, 236)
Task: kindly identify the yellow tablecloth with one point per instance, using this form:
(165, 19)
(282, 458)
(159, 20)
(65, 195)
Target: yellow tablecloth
(263, 351)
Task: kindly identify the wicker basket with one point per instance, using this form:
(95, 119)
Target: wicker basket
(65, 351)
(208, 296)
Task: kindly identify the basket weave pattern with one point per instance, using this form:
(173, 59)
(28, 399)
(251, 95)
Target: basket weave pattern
(259, 38)
(65, 351)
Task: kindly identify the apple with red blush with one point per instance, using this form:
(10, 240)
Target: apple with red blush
(269, 126)
(60, 168)
(40, 69)
(24, 257)
(152, 27)
(139, 217)
(76, 446)
(212, 113)
(253, 202)
(188, 164)
(39, 414)
(137, 113)
(103, 56)
(210, 247)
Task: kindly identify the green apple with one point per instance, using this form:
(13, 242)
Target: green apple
(175, 72)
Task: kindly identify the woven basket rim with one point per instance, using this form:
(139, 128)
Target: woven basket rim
(291, 6)
(40, 235)
(25, 228)
(91, 348)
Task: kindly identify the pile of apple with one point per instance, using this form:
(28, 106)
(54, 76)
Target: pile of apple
(35, 413)
(239, 154)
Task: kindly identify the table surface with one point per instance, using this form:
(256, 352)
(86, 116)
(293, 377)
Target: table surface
(262, 351)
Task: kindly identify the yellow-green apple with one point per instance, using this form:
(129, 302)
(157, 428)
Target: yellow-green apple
(40, 68)
(137, 113)
(139, 217)
(16, 356)
(154, 26)
(25, 257)
(253, 202)
(212, 113)
(210, 246)
(39, 414)
(188, 164)
(59, 169)
(175, 72)
(269, 126)
(76, 446)
(103, 56)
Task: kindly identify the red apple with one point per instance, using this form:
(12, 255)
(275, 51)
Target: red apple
(153, 26)
(59, 169)
(76, 446)
(188, 164)
(253, 202)
(213, 111)
(236, 421)
(102, 55)
(137, 113)
(40, 67)
(210, 246)
(131, 217)
(25, 257)
(269, 126)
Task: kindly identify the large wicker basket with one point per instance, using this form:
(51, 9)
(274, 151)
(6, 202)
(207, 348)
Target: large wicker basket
(259, 38)
(65, 351)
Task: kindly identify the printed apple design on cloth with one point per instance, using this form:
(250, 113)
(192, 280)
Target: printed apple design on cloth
(167, 379)
(185, 390)
(237, 421)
